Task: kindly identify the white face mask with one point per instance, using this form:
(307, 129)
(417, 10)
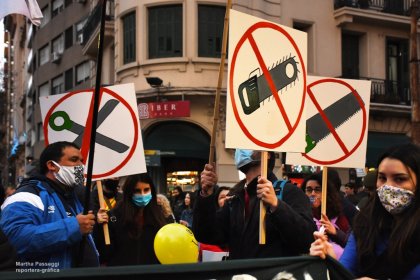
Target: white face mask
(70, 175)
(395, 200)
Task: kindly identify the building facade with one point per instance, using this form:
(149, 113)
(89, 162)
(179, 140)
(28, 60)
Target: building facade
(171, 51)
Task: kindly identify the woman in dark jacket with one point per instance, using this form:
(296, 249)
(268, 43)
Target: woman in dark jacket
(133, 225)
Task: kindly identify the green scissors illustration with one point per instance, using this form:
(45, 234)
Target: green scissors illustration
(68, 124)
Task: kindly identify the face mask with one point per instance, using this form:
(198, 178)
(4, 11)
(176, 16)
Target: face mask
(395, 200)
(70, 175)
(142, 200)
(312, 200)
(245, 158)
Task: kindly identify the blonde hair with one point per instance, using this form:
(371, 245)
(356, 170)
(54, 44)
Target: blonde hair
(166, 206)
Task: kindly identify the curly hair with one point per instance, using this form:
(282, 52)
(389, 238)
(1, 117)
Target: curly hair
(165, 205)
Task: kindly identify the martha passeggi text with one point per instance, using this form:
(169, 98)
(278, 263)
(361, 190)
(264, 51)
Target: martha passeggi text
(42, 267)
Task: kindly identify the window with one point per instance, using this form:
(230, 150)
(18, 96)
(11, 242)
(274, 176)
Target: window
(165, 31)
(210, 30)
(57, 7)
(68, 37)
(68, 79)
(58, 45)
(79, 30)
(129, 37)
(397, 62)
(44, 55)
(350, 55)
(46, 16)
(82, 72)
(57, 85)
(43, 90)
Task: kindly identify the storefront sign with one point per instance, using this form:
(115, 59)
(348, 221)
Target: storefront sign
(152, 157)
(170, 109)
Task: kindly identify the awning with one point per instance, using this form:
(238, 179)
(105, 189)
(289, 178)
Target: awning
(378, 142)
(178, 139)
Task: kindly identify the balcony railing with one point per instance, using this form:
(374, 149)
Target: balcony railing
(94, 19)
(397, 7)
(389, 92)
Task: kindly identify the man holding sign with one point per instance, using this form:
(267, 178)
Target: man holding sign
(289, 224)
(43, 219)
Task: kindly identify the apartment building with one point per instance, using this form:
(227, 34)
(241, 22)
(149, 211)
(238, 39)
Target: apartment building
(171, 51)
(12, 100)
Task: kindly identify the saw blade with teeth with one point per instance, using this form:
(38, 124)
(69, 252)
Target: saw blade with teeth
(337, 113)
(257, 88)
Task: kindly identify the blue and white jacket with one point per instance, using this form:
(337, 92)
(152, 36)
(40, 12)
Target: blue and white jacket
(39, 227)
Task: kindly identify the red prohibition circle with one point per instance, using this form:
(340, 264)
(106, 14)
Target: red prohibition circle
(247, 35)
(119, 98)
(362, 106)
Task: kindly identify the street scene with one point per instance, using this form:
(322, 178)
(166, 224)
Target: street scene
(224, 139)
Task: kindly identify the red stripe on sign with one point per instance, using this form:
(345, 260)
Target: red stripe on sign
(269, 79)
(327, 122)
(84, 150)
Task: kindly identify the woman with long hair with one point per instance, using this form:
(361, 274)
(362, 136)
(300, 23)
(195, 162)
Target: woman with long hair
(164, 203)
(187, 214)
(337, 227)
(133, 225)
(385, 243)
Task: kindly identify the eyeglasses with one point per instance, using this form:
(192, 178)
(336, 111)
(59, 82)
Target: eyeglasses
(316, 189)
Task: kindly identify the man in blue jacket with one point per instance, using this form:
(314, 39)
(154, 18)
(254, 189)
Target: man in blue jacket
(43, 219)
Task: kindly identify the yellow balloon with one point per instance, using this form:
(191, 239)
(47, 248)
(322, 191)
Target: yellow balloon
(175, 243)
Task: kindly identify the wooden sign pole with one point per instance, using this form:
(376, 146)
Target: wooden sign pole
(264, 169)
(324, 191)
(102, 204)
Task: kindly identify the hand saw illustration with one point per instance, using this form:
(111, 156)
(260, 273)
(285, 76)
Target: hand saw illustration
(337, 114)
(257, 88)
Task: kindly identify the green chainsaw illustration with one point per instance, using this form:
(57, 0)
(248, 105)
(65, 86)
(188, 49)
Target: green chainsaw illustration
(257, 88)
(337, 113)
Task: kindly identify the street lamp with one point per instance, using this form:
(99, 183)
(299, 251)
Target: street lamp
(155, 82)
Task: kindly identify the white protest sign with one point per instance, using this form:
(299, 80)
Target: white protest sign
(266, 85)
(119, 147)
(337, 115)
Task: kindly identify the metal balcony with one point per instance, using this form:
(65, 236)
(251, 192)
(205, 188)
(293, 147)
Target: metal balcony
(393, 13)
(91, 28)
(389, 92)
(396, 7)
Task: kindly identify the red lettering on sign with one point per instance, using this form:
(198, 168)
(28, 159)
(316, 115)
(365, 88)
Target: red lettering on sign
(164, 109)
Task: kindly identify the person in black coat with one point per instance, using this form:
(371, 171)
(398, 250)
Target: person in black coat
(133, 225)
(289, 224)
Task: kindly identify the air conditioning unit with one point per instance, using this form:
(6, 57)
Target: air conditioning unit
(80, 38)
(56, 56)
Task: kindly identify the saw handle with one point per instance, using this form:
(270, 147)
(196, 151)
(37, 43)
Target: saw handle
(251, 90)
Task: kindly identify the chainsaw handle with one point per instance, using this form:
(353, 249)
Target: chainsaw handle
(251, 90)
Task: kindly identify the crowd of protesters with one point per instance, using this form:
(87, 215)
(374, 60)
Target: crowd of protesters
(373, 231)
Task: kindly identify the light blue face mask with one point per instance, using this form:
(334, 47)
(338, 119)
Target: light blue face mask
(243, 157)
(142, 200)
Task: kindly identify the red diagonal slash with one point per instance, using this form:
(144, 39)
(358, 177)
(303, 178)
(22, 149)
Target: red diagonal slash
(269, 79)
(327, 122)
(88, 127)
